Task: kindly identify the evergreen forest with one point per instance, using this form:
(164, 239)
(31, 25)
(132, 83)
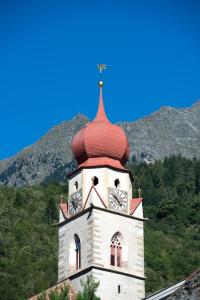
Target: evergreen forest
(28, 232)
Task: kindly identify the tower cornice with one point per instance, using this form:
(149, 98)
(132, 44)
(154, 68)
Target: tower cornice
(95, 267)
(91, 208)
(102, 166)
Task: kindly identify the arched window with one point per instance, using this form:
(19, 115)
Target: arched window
(76, 185)
(116, 250)
(75, 254)
(78, 251)
(95, 180)
(117, 182)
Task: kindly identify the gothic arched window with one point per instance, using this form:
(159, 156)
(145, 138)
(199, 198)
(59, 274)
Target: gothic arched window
(75, 254)
(116, 250)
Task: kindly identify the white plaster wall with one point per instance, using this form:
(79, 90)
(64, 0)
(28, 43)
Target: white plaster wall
(139, 211)
(106, 225)
(82, 227)
(61, 218)
(106, 178)
(131, 288)
(77, 177)
(88, 174)
(95, 231)
(95, 200)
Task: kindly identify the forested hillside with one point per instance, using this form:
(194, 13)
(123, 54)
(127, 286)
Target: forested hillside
(28, 241)
(171, 191)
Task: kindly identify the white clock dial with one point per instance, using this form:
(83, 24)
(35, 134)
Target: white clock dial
(118, 199)
(75, 202)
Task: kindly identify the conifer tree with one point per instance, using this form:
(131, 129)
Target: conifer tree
(51, 210)
(89, 290)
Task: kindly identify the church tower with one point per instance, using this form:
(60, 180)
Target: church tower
(101, 226)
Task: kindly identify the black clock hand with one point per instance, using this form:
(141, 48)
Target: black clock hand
(73, 204)
(117, 199)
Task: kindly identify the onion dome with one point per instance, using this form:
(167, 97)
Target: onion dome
(101, 143)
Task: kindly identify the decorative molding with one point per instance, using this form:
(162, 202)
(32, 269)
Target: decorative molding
(87, 197)
(100, 197)
(91, 208)
(96, 267)
(70, 175)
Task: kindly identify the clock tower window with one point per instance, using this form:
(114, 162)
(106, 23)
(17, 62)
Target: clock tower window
(116, 250)
(95, 180)
(76, 185)
(119, 289)
(117, 183)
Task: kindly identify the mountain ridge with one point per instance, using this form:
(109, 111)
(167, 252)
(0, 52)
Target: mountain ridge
(167, 131)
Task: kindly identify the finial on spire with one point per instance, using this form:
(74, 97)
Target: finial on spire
(61, 198)
(139, 192)
(101, 115)
(101, 68)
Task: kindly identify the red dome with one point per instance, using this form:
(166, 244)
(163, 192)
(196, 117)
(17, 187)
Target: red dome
(100, 142)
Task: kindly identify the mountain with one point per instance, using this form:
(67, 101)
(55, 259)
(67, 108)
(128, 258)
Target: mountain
(168, 131)
(165, 132)
(48, 159)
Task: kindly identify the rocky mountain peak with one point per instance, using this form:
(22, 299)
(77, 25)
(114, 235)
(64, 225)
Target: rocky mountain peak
(196, 105)
(167, 131)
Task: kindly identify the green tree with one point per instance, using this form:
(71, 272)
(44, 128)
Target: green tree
(19, 199)
(89, 290)
(51, 210)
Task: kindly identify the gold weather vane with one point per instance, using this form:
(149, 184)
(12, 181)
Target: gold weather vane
(101, 68)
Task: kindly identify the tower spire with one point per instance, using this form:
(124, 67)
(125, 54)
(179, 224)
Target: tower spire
(101, 115)
(139, 192)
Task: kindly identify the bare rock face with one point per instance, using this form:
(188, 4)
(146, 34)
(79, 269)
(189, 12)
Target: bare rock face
(166, 132)
(49, 159)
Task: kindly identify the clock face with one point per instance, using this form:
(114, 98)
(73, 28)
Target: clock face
(75, 203)
(118, 200)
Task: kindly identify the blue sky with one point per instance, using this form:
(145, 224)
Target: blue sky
(49, 51)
